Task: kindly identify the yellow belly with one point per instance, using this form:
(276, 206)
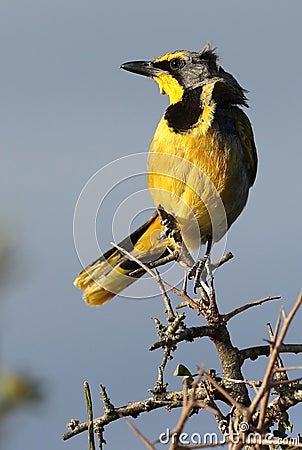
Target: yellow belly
(199, 178)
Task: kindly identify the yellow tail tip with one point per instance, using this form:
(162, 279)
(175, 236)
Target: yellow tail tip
(97, 296)
(94, 295)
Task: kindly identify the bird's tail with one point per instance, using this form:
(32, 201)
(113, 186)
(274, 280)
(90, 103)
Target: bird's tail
(109, 274)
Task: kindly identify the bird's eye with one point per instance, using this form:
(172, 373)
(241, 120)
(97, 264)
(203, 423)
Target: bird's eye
(176, 63)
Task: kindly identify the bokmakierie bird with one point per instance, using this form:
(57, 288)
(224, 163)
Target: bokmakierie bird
(202, 162)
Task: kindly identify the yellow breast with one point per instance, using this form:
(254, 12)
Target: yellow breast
(200, 177)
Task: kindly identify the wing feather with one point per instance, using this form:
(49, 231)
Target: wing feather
(246, 136)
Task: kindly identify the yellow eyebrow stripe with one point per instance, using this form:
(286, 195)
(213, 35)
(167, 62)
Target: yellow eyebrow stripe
(169, 56)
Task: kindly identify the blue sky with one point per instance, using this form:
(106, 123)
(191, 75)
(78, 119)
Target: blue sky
(67, 111)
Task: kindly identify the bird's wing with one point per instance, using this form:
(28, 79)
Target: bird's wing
(246, 136)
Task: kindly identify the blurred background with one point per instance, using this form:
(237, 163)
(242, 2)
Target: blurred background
(66, 111)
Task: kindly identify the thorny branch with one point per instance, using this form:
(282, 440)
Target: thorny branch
(169, 400)
(243, 308)
(263, 419)
(275, 345)
(259, 413)
(253, 353)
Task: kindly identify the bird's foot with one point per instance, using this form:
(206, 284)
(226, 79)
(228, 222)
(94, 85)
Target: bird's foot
(201, 270)
(169, 222)
(196, 272)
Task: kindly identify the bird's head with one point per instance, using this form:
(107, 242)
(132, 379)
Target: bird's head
(183, 70)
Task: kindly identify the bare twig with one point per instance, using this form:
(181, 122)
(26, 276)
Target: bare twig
(277, 326)
(133, 258)
(108, 406)
(165, 297)
(281, 369)
(263, 350)
(188, 334)
(279, 362)
(157, 278)
(252, 383)
(266, 394)
(188, 301)
(285, 382)
(99, 431)
(166, 335)
(274, 354)
(140, 435)
(186, 410)
(235, 312)
(225, 258)
(91, 442)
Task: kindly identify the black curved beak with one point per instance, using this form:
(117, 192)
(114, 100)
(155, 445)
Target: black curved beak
(145, 68)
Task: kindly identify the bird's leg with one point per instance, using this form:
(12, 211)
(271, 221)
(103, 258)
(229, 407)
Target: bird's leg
(178, 252)
(198, 268)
